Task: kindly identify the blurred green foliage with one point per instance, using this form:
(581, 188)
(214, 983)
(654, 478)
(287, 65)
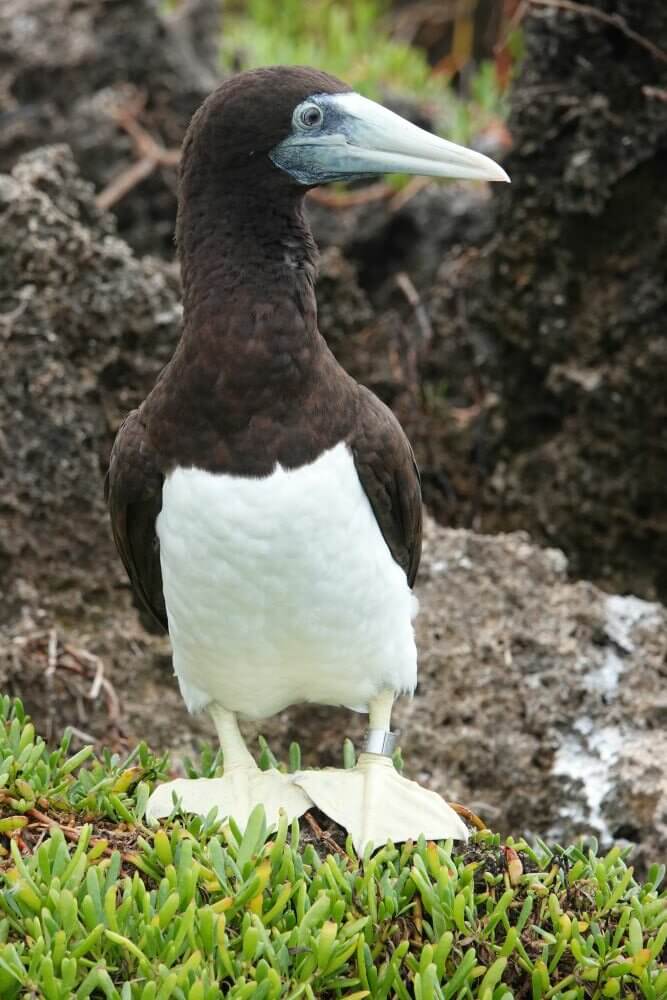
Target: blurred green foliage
(353, 40)
(345, 39)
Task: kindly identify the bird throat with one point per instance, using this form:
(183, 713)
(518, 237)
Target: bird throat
(252, 382)
(237, 236)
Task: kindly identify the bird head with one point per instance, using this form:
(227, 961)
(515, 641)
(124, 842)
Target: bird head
(312, 128)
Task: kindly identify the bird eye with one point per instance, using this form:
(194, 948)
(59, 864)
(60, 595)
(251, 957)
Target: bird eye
(310, 116)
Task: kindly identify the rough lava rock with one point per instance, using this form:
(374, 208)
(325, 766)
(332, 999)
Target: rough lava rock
(564, 310)
(68, 66)
(543, 698)
(86, 328)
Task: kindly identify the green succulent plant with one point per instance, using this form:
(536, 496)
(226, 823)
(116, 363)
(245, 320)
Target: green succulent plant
(95, 903)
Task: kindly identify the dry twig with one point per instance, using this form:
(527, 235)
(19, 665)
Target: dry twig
(468, 815)
(52, 653)
(43, 820)
(412, 348)
(323, 835)
(151, 155)
(405, 284)
(58, 660)
(81, 657)
(407, 193)
(513, 22)
(123, 183)
(349, 199)
(73, 834)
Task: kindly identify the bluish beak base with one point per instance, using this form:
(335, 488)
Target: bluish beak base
(358, 138)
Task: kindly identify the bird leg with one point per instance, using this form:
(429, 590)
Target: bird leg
(372, 801)
(242, 787)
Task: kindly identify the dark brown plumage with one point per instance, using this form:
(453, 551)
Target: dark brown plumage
(252, 382)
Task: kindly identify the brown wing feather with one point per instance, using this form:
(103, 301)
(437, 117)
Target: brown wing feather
(388, 473)
(133, 491)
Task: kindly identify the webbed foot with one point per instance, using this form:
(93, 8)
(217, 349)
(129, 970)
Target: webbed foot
(374, 803)
(235, 794)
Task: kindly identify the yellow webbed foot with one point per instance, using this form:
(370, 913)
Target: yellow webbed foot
(235, 794)
(374, 803)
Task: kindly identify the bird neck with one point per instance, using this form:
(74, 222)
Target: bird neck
(244, 243)
(252, 382)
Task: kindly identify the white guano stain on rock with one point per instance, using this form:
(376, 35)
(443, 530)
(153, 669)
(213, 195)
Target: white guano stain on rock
(623, 614)
(587, 755)
(588, 752)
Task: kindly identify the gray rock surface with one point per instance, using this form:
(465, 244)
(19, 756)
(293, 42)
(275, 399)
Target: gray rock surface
(85, 329)
(68, 66)
(543, 698)
(565, 308)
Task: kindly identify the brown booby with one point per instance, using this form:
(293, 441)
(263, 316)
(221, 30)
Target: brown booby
(266, 506)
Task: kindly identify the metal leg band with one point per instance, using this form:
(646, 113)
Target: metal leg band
(380, 741)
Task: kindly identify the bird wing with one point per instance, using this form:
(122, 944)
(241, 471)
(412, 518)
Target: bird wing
(133, 491)
(389, 475)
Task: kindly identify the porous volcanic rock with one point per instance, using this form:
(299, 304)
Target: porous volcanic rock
(86, 327)
(69, 67)
(564, 309)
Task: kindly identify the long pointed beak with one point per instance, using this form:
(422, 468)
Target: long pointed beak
(360, 137)
(380, 141)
